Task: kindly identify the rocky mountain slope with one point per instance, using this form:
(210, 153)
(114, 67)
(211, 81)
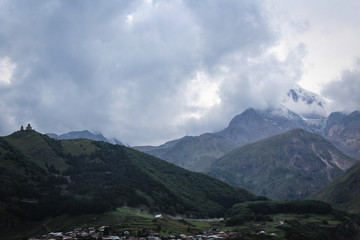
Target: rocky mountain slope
(299, 108)
(343, 192)
(287, 166)
(344, 132)
(195, 153)
(254, 124)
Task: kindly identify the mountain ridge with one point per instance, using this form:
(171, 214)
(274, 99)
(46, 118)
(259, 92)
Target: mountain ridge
(253, 125)
(79, 176)
(342, 193)
(84, 134)
(343, 130)
(290, 165)
(194, 153)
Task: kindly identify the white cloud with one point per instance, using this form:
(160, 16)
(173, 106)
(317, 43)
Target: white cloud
(6, 70)
(201, 92)
(343, 92)
(142, 71)
(329, 30)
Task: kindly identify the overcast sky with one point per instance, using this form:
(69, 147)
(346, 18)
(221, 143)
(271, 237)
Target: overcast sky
(147, 72)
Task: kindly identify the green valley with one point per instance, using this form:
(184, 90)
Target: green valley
(42, 177)
(52, 185)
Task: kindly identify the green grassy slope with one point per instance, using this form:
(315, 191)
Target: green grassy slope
(287, 166)
(343, 192)
(193, 153)
(39, 148)
(98, 177)
(19, 176)
(82, 176)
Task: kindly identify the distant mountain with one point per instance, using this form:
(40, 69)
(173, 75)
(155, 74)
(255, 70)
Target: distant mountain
(344, 132)
(197, 153)
(305, 103)
(298, 109)
(253, 125)
(84, 134)
(343, 192)
(311, 107)
(42, 177)
(194, 153)
(287, 166)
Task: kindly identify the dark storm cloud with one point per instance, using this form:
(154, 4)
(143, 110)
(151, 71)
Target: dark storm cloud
(127, 68)
(344, 92)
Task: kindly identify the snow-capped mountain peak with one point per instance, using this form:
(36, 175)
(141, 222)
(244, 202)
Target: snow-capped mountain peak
(305, 103)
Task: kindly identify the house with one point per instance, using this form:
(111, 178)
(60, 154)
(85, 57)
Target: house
(183, 236)
(28, 128)
(154, 236)
(111, 237)
(214, 237)
(222, 234)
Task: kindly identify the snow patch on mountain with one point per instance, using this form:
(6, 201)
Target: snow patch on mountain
(282, 112)
(310, 106)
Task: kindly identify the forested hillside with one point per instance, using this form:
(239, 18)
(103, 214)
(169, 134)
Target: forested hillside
(41, 176)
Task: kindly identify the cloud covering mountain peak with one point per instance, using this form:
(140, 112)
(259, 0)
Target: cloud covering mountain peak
(305, 103)
(142, 71)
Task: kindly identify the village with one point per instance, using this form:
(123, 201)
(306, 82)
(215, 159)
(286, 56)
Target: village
(102, 233)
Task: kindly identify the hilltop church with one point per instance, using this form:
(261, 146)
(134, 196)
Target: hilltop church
(28, 128)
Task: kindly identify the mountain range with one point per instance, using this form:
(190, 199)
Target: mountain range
(238, 154)
(49, 185)
(244, 154)
(277, 153)
(290, 165)
(43, 177)
(255, 124)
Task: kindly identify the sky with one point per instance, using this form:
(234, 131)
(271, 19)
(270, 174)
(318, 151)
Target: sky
(147, 72)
